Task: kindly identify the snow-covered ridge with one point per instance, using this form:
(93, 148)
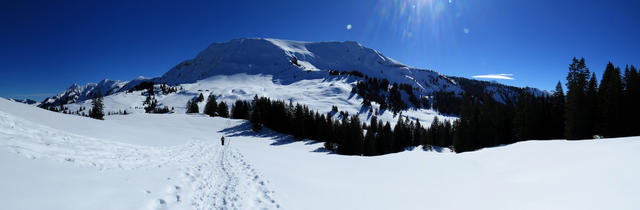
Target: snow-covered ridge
(76, 93)
(284, 58)
(285, 62)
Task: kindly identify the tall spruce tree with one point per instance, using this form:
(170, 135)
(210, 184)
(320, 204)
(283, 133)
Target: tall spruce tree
(223, 110)
(192, 107)
(211, 107)
(592, 107)
(631, 99)
(96, 111)
(576, 123)
(256, 118)
(558, 108)
(610, 95)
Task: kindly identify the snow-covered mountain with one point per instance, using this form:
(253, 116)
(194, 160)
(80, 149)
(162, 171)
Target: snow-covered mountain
(76, 93)
(291, 61)
(303, 72)
(25, 101)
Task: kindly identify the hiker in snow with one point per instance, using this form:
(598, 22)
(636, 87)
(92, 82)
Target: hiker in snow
(222, 140)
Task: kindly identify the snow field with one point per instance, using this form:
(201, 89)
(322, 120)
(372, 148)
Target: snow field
(144, 161)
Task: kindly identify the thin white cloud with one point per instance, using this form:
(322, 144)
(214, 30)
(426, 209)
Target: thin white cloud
(495, 76)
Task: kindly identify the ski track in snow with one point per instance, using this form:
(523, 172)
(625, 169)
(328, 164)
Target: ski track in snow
(218, 176)
(222, 178)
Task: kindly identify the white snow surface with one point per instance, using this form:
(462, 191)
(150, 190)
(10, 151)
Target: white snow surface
(174, 161)
(319, 94)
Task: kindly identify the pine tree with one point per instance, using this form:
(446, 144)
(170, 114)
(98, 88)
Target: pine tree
(592, 107)
(96, 111)
(558, 107)
(200, 98)
(576, 121)
(298, 118)
(192, 107)
(610, 95)
(370, 143)
(223, 109)
(240, 110)
(631, 99)
(434, 132)
(386, 139)
(211, 107)
(256, 118)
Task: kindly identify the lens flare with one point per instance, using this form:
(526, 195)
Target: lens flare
(416, 18)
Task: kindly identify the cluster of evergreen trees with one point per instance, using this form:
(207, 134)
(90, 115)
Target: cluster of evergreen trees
(151, 104)
(167, 89)
(211, 108)
(447, 102)
(388, 96)
(609, 109)
(588, 111)
(351, 73)
(347, 135)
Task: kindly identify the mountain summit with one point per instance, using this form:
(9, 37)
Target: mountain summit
(285, 60)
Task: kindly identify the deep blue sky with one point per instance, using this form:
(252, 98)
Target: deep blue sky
(45, 46)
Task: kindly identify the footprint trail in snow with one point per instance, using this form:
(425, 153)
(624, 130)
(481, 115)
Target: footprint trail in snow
(213, 176)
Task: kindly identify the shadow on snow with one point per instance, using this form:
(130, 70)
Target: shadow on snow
(245, 130)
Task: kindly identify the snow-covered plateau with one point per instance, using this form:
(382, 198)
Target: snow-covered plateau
(50, 160)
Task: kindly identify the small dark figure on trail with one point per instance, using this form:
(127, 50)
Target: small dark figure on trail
(222, 140)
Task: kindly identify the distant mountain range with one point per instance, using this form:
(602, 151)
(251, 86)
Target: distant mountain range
(291, 62)
(24, 101)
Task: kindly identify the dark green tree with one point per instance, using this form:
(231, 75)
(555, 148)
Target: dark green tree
(577, 125)
(610, 95)
(592, 107)
(631, 102)
(558, 107)
(211, 107)
(192, 107)
(97, 109)
(200, 98)
(240, 110)
(223, 110)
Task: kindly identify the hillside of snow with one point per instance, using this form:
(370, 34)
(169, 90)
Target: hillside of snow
(318, 94)
(151, 161)
(289, 70)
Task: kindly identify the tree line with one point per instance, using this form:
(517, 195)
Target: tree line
(344, 135)
(589, 110)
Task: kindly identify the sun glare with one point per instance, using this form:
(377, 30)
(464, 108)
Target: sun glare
(415, 17)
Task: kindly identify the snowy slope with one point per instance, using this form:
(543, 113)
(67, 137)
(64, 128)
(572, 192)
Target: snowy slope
(141, 161)
(318, 94)
(55, 161)
(285, 63)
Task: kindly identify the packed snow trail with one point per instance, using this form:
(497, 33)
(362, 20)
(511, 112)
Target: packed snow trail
(222, 179)
(214, 176)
